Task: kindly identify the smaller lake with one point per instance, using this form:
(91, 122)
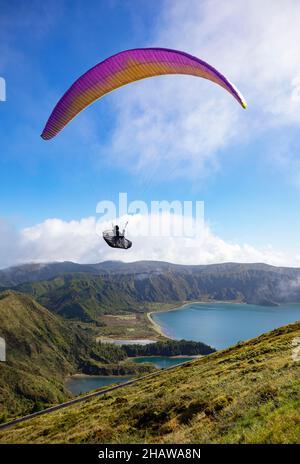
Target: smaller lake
(161, 362)
(79, 385)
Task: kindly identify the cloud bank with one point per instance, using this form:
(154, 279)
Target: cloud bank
(81, 241)
(179, 125)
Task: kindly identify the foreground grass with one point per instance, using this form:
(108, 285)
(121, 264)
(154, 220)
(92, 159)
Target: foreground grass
(249, 393)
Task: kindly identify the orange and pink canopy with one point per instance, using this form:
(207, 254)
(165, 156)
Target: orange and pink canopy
(124, 68)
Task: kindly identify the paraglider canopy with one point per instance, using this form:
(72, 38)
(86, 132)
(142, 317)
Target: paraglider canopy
(126, 67)
(115, 239)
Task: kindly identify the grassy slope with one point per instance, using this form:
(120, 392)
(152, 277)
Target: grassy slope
(42, 349)
(249, 393)
(80, 296)
(38, 344)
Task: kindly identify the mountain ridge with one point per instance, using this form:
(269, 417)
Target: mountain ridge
(114, 287)
(30, 272)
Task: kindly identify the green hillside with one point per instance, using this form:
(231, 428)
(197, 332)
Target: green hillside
(42, 349)
(249, 393)
(81, 296)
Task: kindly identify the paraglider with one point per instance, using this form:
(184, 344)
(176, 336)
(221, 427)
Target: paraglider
(121, 69)
(126, 67)
(114, 239)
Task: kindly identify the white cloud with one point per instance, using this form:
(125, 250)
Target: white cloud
(184, 122)
(81, 241)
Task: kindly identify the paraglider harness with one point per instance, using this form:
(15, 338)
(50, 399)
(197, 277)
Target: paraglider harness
(114, 239)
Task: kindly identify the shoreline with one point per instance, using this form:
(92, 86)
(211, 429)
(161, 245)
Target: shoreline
(158, 329)
(175, 356)
(90, 376)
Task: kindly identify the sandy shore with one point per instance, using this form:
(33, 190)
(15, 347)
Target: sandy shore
(87, 376)
(156, 326)
(79, 376)
(126, 341)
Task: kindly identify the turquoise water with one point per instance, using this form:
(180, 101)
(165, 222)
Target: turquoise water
(161, 362)
(223, 324)
(78, 385)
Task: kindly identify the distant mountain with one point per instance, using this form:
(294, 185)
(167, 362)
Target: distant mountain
(249, 393)
(86, 291)
(33, 272)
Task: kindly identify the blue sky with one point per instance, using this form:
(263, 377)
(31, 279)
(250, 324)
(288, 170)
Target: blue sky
(191, 135)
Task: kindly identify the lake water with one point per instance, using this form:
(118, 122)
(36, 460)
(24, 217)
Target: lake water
(78, 385)
(221, 325)
(161, 362)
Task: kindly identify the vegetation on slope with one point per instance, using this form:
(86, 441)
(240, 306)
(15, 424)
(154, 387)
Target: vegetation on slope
(169, 348)
(42, 349)
(249, 393)
(127, 326)
(83, 297)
